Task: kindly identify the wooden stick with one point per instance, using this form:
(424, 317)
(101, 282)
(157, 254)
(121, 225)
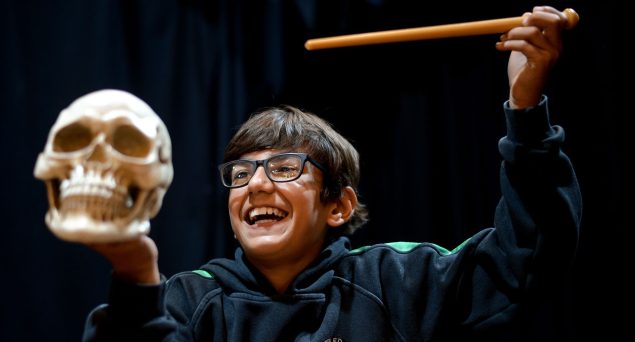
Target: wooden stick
(472, 28)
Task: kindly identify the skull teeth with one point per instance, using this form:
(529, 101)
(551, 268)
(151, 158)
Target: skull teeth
(94, 193)
(91, 184)
(84, 189)
(98, 208)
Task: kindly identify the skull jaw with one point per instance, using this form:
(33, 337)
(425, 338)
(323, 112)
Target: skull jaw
(80, 227)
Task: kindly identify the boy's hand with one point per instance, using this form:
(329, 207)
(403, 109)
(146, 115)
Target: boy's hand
(535, 48)
(135, 261)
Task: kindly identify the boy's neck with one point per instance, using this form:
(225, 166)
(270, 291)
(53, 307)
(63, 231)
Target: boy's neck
(281, 274)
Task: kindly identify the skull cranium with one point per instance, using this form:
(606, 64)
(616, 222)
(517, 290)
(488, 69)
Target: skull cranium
(107, 164)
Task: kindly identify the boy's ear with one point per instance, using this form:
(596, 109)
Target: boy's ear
(343, 209)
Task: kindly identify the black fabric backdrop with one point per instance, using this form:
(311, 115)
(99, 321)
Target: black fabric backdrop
(425, 116)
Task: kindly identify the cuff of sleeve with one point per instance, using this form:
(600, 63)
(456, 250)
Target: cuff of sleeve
(529, 132)
(133, 304)
(530, 124)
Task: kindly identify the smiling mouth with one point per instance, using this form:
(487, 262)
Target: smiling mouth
(265, 215)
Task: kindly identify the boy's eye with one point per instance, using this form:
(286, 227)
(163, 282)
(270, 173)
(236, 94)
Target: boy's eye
(284, 171)
(241, 174)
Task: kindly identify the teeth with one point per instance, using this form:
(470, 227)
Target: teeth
(95, 193)
(91, 183)
(129, 202)
(78, 172)
(253, 213)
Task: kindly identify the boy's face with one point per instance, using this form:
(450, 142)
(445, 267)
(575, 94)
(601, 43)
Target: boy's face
(289, 221)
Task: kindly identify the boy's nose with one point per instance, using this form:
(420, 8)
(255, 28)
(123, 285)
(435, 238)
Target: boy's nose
(259, 181)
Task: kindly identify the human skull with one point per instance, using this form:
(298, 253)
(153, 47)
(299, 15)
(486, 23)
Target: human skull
(107, 164)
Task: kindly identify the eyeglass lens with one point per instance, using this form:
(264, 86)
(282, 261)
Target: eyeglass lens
(279, 168)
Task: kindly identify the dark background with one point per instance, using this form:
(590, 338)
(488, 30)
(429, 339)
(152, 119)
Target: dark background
(426, 117)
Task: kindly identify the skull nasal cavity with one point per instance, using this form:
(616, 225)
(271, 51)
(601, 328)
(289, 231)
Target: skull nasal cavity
(98, 154)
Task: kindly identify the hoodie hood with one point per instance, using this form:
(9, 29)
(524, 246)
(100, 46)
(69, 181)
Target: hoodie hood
(239, 275)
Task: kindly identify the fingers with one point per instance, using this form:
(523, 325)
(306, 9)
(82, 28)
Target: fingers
(133, 260)
(526, 39)
(141, 249)
(550, 22)
(540, 36)
(550, 10)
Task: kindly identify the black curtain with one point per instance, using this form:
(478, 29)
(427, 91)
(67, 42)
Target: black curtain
(426, 117)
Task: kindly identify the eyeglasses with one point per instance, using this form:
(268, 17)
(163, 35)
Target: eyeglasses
(283, 167)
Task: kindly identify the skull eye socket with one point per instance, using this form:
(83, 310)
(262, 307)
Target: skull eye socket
(130, 142)
(71, 138)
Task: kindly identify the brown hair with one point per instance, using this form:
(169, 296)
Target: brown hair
(289, 128)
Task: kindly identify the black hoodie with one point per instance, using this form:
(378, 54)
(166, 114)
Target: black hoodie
(386, 292)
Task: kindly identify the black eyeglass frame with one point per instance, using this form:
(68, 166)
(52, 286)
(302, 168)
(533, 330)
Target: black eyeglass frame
(304, 157)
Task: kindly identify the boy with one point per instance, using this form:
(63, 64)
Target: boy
(292, 197)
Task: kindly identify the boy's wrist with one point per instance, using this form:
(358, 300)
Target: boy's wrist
(145, 275)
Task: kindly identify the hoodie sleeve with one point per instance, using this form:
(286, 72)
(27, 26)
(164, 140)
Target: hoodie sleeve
(536, 222)
(135, 313)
